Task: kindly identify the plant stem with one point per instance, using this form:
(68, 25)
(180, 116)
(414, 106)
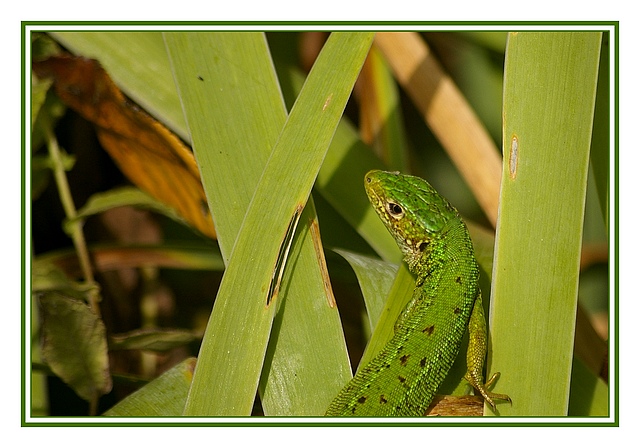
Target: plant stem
(75, 231)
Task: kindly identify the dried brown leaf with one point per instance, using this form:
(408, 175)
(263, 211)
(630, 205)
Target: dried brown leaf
(148, 153)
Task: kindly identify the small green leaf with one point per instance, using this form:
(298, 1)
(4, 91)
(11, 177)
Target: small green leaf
(163, 397)
(120, 197)
(74, 345)
(39, 89)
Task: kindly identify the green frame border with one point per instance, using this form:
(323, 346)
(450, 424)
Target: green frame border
(313, 421)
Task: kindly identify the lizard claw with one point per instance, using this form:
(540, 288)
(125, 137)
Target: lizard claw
(489, 397)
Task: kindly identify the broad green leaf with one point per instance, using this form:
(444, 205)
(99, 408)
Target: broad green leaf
(229, 91)
(163, 397)
(74, 345)
(238, 332)
(549, 92)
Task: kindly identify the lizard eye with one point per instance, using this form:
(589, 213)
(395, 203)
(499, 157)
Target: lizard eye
(395, 210)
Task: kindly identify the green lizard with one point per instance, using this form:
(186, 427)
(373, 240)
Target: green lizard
(403, 378)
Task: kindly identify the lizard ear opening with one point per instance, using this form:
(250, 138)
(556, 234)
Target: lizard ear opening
(395, 210)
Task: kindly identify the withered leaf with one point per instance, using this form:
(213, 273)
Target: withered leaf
(74, 344)
(150, 155)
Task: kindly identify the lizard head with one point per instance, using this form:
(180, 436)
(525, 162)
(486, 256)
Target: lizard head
(411, 209)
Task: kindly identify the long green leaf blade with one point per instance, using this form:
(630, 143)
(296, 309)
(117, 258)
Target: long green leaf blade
(230, 361)
(343, 188)
(549, 92)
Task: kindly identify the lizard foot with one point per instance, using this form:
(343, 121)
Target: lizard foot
(489, 397)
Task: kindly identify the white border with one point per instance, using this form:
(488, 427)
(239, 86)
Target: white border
(92, 421)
